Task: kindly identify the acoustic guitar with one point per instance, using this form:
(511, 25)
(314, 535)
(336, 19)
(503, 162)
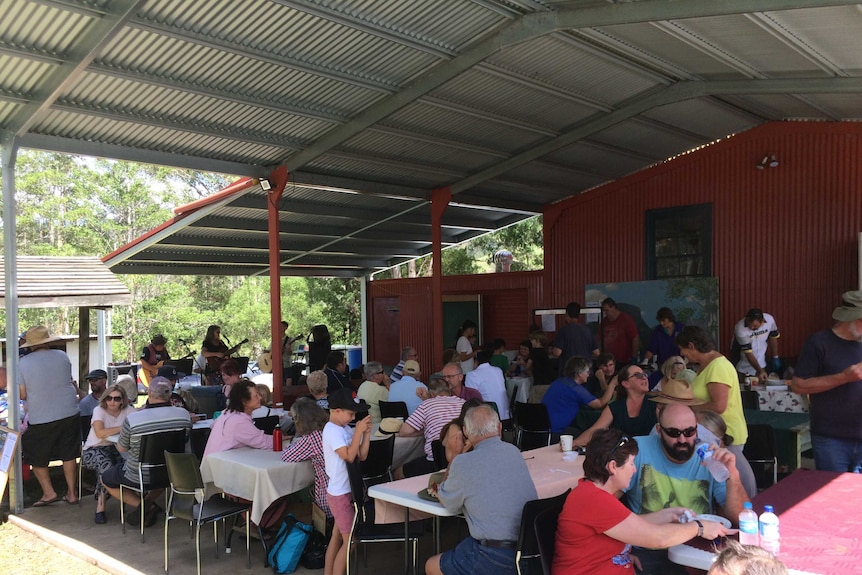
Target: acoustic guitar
(214, 363)
(146, 375)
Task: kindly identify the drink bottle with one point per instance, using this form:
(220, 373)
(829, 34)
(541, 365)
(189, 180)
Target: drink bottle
(276, 439)
(716, 468)
(748, 526)
(769, 536)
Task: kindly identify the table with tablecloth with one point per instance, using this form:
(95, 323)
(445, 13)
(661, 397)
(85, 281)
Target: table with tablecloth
(257, 475)
(524, 383)
(776, 396)
(821, 519)
(792, 434)
(406, 448)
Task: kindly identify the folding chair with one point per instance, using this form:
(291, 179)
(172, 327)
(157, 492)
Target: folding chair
(761, 452)
(187, 488)
(545, 527)
(531, 419)
(528, 546)
(393, 409)
(152, 460)
(377, 467)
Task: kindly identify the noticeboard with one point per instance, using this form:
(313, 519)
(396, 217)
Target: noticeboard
(8, 443)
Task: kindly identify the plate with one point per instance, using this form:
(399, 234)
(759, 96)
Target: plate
(717, 518)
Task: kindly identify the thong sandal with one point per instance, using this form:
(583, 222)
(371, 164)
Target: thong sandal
(66, 499)
(46, 502)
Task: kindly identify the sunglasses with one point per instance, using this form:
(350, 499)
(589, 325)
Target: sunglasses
(623, 440)
(674, 432)
(638, 375)
(114, 398)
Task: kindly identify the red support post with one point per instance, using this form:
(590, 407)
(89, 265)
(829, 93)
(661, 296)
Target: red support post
(278, 180)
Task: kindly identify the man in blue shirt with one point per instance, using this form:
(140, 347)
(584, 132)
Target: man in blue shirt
(567, 394)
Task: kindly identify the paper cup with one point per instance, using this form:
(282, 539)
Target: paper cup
(566, 442)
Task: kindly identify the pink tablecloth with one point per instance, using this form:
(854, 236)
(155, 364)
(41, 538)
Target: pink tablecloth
(551, 474)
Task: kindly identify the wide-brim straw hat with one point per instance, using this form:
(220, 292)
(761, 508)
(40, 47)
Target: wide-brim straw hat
(676, 391)
(388, 426)
(38, 335)
(850, 308)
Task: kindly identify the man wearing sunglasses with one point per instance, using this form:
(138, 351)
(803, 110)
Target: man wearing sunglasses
(668, 474)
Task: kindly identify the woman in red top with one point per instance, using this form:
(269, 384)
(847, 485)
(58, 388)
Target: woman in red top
(596, 532)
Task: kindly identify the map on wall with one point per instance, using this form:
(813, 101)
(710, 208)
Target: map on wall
(694, 301)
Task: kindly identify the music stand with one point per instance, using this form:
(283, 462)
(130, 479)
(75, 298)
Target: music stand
(184, 366)
(243, 363)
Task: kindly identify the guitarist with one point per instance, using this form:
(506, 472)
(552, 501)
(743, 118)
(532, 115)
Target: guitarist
(215, 351)
(287, 354)
(153, 357)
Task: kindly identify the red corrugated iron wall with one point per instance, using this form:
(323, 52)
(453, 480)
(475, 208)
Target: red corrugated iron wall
(509, 300)
(784, 238)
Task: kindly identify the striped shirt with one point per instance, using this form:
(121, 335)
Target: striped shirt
(431, 415)
(306, 447)
(148, 421)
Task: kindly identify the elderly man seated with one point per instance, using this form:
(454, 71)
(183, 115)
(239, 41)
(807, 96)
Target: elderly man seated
(490, 484)
(374, 389)
(429, 418)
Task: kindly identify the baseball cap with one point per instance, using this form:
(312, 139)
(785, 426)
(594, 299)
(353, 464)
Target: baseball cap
(168, 372)
(411, 366)
(98, 374)
(343, 399)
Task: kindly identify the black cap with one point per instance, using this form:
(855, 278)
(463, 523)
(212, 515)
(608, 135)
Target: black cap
(98, 374)
(159, 340)
(343, 399)
(168, 372)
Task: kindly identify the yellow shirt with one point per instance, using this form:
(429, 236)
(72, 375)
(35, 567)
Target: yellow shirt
(720, 370)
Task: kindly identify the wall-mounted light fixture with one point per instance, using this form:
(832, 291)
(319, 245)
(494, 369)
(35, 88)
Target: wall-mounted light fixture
(264, 184)
(768, 161)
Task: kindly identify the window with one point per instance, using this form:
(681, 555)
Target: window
(679, 242)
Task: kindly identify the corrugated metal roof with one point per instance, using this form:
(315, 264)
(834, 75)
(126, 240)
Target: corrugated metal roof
(372, 104)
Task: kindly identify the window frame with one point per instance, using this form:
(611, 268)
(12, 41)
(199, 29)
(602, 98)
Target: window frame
(651, 220)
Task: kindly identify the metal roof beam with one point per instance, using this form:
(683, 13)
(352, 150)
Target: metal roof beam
(181, 242)
(533, 26)
(159, 256)
(100, 33)
(202, 270)
(340, 183)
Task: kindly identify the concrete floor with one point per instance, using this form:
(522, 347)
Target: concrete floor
(71, 528)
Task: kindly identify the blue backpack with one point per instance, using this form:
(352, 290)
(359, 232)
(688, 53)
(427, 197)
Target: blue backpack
(288, 545)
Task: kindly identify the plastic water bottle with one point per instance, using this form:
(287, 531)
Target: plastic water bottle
(748, 526)
(769, 536)
(716, 468)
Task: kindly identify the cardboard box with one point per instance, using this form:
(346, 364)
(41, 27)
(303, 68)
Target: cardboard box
(318, 519)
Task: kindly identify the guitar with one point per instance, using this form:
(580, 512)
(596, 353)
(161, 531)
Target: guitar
(145, 375)
(214, 363)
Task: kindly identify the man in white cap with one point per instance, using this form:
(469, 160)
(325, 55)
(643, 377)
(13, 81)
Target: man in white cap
(829, 369)
(405, 389)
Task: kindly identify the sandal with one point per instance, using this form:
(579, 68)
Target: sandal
(46, 502)
(70, 502)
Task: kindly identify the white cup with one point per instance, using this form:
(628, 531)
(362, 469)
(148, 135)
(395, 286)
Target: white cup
(566, 442)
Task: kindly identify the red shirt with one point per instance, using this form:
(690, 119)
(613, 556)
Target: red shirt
(617, 337)
(582, 547)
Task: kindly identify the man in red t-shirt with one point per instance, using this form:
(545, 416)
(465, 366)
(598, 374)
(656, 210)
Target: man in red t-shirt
(619, 333)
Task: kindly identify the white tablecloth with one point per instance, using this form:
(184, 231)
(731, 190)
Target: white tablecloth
(524, 383)
(258, 475)
(406, 448)
(774, 397)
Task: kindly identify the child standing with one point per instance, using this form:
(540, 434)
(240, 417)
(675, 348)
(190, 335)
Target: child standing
(341, 444)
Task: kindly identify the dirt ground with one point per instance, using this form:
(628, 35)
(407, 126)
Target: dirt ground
(23, 552)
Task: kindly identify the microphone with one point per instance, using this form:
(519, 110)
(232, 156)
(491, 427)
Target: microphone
(224, 337)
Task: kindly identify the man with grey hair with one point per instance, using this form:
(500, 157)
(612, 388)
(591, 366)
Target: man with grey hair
(407, 353)
(374, 389)
(429, 419)
(490, 484)
(159, 415)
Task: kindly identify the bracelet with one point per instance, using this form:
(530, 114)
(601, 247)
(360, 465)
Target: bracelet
(699, 527)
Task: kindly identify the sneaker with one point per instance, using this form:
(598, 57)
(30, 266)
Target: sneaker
(100, 518)
(151, 516)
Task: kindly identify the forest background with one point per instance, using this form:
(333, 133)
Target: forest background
(75, 205)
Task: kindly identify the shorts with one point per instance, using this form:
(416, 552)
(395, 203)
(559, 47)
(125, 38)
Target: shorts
(471, 558)
(58, 440)
(115, 475)
(342, 510)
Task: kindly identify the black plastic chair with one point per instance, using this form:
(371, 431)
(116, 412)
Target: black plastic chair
(528, 546)
(152, 460)
(364, 529)
(514, 394)
(545, 528)
(761, 453)
(267, 424)
(186, 486)
(439, 453)
(750, 399)
(377, 467)
(531, 419)
(393, 409)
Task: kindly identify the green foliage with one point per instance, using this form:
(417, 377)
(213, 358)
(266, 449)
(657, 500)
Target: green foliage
(341, 306)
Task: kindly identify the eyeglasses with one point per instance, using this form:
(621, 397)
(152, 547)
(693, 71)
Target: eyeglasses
(114, 398)
(674, 432)
(379, 373)
(638, 375)
(679, 363)
(623, 440)
(453, 375)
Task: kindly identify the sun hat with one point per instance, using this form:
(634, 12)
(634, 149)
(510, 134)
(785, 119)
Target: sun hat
(38, 335)
(343, 399)
(411, 366)
(388, 426)
(127, 382)
(676, 391)
(850, 308)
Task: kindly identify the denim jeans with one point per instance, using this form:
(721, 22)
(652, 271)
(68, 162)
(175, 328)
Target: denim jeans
(837, 454)
(471, 558)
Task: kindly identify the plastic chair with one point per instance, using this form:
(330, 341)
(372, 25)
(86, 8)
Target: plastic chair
(528, 546)
(750, 399)
(267, 424)
(152, 460)
(761, 452)
(378, 464)
(186, 487)
(364, 529)
(393, 409)
(514, 394)
(439, 453)
(545, 528)
(531, 419)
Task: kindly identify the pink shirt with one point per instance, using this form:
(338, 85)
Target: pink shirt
(234, 429)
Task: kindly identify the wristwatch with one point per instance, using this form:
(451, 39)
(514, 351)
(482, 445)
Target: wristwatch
(699, 527)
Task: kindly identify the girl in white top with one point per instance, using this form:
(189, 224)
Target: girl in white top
(464, 347)
(100, 453)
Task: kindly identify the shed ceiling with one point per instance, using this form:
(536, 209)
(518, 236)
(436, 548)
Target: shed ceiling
(372, 104)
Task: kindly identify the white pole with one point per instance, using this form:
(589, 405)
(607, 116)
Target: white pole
(363, 312)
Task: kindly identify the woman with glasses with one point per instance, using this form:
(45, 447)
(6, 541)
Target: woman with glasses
(100, 454)
(674, 368)
(596, 532)
(630, 412)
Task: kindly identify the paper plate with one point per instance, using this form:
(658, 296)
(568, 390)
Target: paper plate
(716, 518)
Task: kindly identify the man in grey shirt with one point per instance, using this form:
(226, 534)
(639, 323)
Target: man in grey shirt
(490, 484)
